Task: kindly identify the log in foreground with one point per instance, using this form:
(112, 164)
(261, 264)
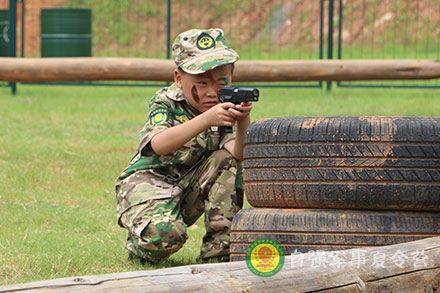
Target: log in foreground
(89, 69)
(407, 267)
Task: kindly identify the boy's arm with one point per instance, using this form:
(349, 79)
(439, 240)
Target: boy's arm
(173, 138)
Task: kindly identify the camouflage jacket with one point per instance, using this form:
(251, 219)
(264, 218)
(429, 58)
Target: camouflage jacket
(168, 108)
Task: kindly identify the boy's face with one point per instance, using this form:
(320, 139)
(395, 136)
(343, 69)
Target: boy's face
(202, 90)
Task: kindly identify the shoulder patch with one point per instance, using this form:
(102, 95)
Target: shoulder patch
(159, 115)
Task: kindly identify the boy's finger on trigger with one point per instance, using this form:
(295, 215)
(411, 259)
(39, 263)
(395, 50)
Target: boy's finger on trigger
(227, 105)
(234, 112)
(239, 111)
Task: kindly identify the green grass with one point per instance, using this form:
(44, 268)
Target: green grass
(62, 148)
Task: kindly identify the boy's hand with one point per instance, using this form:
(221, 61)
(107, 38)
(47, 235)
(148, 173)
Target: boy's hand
(221, 115)
(241, 111)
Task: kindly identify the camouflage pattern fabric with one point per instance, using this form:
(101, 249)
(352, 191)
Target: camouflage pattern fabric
(156, 213)
(173, 110)
(197, 51)
(150, 212)
(169, 108)
(158, 196)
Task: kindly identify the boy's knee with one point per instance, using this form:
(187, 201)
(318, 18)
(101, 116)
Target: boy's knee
(223, 159)
(160, 239)
(229, 185)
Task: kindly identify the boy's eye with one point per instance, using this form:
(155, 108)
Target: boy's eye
(202, 83)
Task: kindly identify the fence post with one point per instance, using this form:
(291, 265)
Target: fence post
(330, 37)
(321, 34)
(168, 33)
(340, 33)
(168, 29)
(22, 27)
(12, 37)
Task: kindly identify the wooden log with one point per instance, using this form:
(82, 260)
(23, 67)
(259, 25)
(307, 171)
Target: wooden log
(407, 267)
(89, 69)
(84, 69)
(336, 70)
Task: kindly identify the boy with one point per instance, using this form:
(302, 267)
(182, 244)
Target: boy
(184, 166)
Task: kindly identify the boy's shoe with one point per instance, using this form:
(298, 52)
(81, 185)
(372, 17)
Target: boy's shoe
(143, 261)
(224, 258)
(130, 257)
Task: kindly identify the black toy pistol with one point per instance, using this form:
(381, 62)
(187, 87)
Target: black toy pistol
(236, 95)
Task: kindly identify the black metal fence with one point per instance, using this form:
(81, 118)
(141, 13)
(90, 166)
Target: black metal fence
(263, 29)
(388, 29)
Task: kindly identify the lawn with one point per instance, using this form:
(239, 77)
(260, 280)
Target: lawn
(63, 146)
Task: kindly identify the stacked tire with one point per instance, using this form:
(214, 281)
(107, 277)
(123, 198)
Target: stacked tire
(327, 183)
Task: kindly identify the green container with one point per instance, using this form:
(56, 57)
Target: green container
(66, 32)
(4, 25)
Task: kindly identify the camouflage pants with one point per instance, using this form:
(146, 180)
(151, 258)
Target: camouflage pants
(156, 213)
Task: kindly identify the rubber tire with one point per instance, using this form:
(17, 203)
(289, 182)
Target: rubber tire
(350, 162)
(304, 230)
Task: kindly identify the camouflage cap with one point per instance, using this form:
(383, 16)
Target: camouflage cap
(196, 51)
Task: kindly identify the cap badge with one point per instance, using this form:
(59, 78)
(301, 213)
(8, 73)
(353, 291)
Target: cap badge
(205, 41)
